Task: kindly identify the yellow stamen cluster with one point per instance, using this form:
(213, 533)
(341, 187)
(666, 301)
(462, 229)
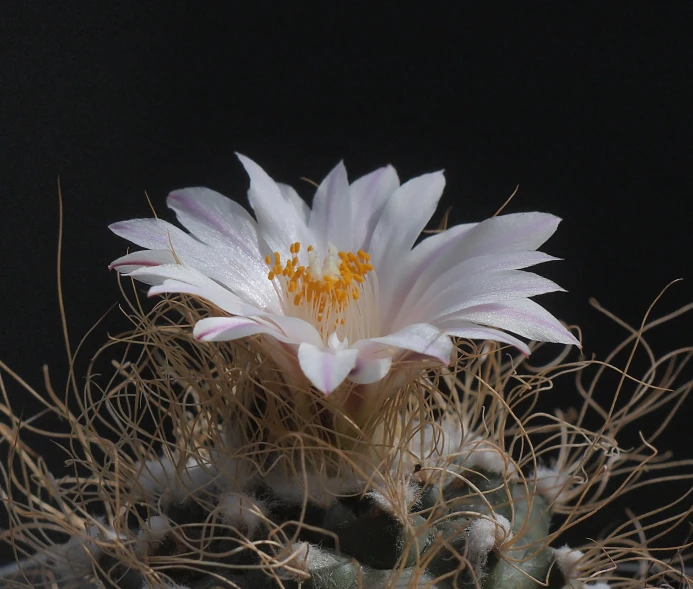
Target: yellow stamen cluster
(326, 293)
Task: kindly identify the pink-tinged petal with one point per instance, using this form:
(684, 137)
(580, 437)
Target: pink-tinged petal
(421, 338)
(294, 330)
(492, 287)
(324, 367)
(523, 317)
(288, 330)
(330, 219)
(369, 195)
(216, 220)
(369, 370)
(403, 219)
(505, 233)
(174, 278)
(467, 330)
(245, 276)
(142, 258)
(224, 329)
(407, 283)
(280, 223)
(429, 285)
(291, 196)
(502, 234)
(155, 234)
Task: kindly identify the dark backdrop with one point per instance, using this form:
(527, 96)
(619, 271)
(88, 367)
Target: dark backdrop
(586, 107)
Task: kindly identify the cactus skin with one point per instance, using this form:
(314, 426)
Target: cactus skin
(354, 543)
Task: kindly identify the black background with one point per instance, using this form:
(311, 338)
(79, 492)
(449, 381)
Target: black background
(586, 107)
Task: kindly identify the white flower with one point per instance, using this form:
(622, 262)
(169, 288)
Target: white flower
(342, 285)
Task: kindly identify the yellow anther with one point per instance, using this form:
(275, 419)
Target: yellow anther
(328, 293)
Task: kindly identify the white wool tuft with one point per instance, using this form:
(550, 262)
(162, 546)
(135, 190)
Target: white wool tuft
(157, 527)
(479, 454)
(435, 445)
(567, 560)
(243, 512)
(155, 476)
(196, 475)
(552, 484)
(71, 560)
(153, 532)
(321, 490)
(234, 473)
(484, 535)
(165, 479)
(79, 551)
(295, 556)
(398, 502)
(600, 585)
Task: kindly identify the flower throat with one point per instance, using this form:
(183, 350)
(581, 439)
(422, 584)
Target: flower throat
(324, 288)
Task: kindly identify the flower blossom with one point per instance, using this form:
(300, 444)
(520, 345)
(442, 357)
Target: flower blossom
(343, 286)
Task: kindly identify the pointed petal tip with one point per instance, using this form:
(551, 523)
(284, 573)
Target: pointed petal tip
(244, 159)
(325, 368)
(115, 227)
(251, 167)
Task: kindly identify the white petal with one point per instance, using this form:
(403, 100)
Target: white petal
(170, 278)
(403, 219)
(245, 276)
(223, 299)
(437, 254)
(292, 329)
(291, 196)
(467, 330)
(330, 219)
(289, 330)
(280, 223)
(407, 282)
(326, 368)
(491, 287)
(369, 370)
(421, 338)
(523, 317)
(223, 329)
(369, 194)
(142, 258)
(215, 219)
(335, 343)
(517, 231)
(428, 286)
(155, 234)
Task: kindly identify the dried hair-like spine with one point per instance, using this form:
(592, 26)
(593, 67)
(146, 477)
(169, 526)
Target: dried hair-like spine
(208, 470)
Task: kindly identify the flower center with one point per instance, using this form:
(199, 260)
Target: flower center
(322, 289)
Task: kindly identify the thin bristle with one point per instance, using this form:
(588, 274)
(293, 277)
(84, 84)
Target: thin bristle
(212, 438)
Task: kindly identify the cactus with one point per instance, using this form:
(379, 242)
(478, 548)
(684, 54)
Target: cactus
(297, 455)
(456, 481)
